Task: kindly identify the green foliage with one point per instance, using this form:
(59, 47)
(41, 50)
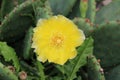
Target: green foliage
(55, 78)
(73, 66)
(83, 7)
(0, 17)
(106, 43)
(41, 70)
(62, 7)
(108, 13)
(9, 54)
(18, 47)
(95, 72)
(85, 50)
(6, 8)
(75, 12)
(27, 44)
(6, 74)
(85, 25)
(113, 74)
(17, 17)
(29, 69)
(42, 9)
(91, 12)
(17, 22)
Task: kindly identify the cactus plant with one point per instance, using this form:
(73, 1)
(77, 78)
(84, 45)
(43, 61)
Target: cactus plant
(21, 59)
(71, 68)
(91, 12)
(75, 11)
(63, 9)
(19, 19)
(87, 50)
(83, 8)
(40, 12)
(85, 25)
(114, 73)
(27, 44)
(6, 8)
(42, 9)
(108, 13)
(6, 74)
(95, 72)
(107, 43)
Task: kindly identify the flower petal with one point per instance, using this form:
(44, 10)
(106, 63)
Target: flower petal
(55, 39)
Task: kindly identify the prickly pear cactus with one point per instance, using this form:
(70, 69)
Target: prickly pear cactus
(91, 11)
(109, 12)
(59, 40)
(75, 11)
(6, 8)
(6, 74)
(106, 43)
(95, 72)
(85, 25)
(20, 18)
(114, 73)
(27, 51)
(61, 6)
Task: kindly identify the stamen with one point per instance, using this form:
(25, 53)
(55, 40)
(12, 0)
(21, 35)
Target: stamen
(57, 40)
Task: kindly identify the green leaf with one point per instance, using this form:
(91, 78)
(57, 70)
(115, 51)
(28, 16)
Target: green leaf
(81, 59)
(9, 54)
(25, 66)
(32, 78)
(75, 64)
(79, 78)
(41, 70)
(55, 78)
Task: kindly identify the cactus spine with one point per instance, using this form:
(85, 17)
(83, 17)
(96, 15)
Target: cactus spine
(6, 74)
(7, 6)
(85, 25)
(95, 72)
(109, 12)
(91, 12)
(15, 24)
(106, 46)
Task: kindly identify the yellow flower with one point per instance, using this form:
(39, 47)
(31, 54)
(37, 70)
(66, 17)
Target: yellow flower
(55, 39)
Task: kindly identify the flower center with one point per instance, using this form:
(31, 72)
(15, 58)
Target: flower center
(57, 40)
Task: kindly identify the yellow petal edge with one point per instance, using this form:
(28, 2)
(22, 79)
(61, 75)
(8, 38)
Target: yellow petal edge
(55, 39)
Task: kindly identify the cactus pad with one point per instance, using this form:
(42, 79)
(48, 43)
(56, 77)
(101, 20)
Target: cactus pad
(107, 43)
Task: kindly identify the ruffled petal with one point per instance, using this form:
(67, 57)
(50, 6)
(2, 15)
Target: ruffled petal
(55, 39)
